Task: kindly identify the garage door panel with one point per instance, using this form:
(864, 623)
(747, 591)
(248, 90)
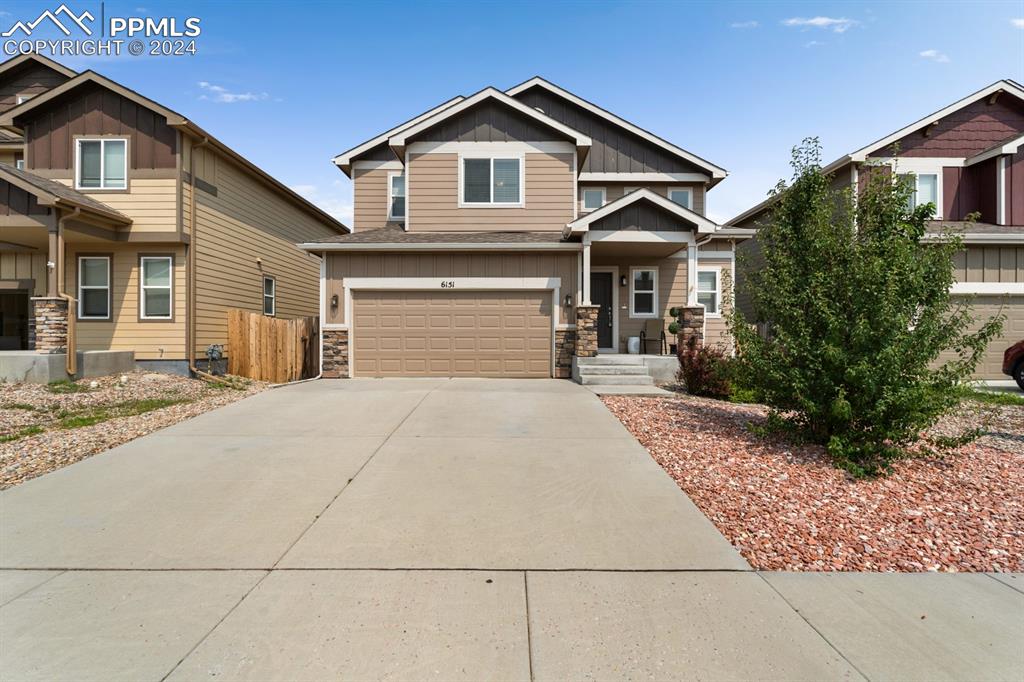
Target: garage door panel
(451, 333)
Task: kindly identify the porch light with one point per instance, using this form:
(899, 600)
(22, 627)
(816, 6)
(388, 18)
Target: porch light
(568, 300)
(622, 281)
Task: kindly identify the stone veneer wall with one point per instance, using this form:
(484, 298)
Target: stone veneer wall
(586, 331)
(335, 354)
(691, 325)
(51, 324)
(565, 348)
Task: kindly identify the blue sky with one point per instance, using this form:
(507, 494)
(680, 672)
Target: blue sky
(290, 84)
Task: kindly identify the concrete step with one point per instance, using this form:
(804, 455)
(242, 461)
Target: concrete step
(635, 370)
(611, 360)
(616, 380)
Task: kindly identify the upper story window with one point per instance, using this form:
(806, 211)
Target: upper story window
(269, 296)
(924, 187)
(396, 196)
(94, 287)
(491, 182)
(643, 293)
(101, 164)
(593, 198)
(709, 291)
(682, 196)
(19, 163)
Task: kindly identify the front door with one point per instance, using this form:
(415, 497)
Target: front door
(13, 320)
(601, 295)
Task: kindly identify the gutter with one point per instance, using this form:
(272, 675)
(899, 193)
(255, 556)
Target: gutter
(441, 246)
(190, 269)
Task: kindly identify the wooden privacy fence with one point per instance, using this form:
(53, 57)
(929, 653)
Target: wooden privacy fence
(268, 349)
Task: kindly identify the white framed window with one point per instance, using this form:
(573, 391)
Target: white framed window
(269, 296)
(23, 98)
(19, 164)
(628, 190)
(495, 182)
(682, 196)
(643, 292)
(94, 287)
(709, 290)
(396, 196)
(156, 283)
(101, 163)
(925, 189)
(594, 198)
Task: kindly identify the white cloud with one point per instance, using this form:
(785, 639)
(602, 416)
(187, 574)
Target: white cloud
(744, 24)
(934, 55)
(813, 43)
(1017, 23)
(840, 25)
(337, 204)
(217, 93)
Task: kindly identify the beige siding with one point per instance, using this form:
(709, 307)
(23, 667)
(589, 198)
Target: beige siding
(150, 339)
(990, 264)
(245, 232)
(671, 290)
(433, 195)
(716, 330)
(9, 156)
(615, 190)
(151, 203)
(470, 264)
(24, 265)
(370, 198)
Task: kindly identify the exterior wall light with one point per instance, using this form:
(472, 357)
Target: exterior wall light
(622, 281)
(568, 300)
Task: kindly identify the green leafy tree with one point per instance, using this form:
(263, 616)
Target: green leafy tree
(859, 309)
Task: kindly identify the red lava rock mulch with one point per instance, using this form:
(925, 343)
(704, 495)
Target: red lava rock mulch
(786, 507)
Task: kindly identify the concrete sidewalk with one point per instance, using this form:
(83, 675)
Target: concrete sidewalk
(435, 529)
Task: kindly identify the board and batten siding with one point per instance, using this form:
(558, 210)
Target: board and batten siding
(246, 231)
(433, 196)
(370, 198)
(22, 265)
(28, 80)
(149, 339)
(451, 265)
(671, 290)
(989, 264)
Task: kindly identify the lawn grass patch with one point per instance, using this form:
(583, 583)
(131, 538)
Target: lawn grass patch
(19, 406)
(990, 398)
(23, 433)
(65, 386)
(130, 408)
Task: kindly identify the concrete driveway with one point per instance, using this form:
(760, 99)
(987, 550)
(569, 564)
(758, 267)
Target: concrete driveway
(426, 529)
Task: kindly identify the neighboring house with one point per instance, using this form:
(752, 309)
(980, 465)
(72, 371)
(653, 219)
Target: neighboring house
(504, 233)
(966, 158)
(145, 224)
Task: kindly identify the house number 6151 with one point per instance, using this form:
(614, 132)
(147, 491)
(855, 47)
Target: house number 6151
(447, 284)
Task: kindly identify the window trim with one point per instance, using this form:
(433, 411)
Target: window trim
(689, 195)
(109, 257)
(393, 174)
(143, 317)
(632, 292)
(583, 197)
(19, 164)
(102, 139)
(917, 187)
(273, 297)
(717, 271)
(491, 157)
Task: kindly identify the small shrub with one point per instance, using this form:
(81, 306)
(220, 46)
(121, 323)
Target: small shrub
(65, 386)
(704, 370)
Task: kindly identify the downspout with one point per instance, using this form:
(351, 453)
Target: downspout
(190, 268)
(71, 358)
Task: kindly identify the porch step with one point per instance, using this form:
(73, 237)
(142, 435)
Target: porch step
(611, 360)
(621, 370)
(616, 380)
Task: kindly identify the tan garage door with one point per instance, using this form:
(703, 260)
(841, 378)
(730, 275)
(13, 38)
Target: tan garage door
(451, 333)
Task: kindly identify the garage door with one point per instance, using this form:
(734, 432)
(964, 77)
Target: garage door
(451, 334)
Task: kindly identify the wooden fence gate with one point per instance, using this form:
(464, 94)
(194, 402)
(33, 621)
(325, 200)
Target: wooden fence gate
(268, 349)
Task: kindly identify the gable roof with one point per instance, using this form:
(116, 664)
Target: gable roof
(345, 159)
(16, 62)
(716, 172)
(51, 193)
(583, 223)
(10, 118)
(399, 140)
(1000, 86)
(1008, 146)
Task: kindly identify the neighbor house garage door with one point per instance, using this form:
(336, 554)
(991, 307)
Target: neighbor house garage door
(451, 333)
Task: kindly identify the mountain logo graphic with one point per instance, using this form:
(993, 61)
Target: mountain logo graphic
(76, 20)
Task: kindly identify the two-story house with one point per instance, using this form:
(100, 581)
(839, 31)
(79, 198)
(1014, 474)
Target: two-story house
(505, 233)
(966, 159)
(127, 229)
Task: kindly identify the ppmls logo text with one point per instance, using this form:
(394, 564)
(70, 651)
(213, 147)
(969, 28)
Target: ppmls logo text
(116, 34)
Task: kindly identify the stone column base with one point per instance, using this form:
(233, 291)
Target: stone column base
(586, 330)
(335, 354)
(51, 324)
(565, 348)
(691, 327)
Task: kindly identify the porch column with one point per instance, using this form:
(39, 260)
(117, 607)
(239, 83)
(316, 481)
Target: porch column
(50, 312)
(691, 275)
(586, 330)
(586, 269)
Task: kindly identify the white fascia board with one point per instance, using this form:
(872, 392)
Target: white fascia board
(641, 237)
(644, 177)
(399, 139)
(583, 224)
(438, 246)
(982, 238)
(716, 172)
(1009, 147)
(988, 288)
(1006, 86)
(344, 160)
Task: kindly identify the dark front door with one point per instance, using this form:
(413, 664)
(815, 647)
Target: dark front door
(13, 320)
(601, 295)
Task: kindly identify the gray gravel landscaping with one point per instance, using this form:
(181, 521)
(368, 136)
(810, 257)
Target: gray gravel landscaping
(46, 427)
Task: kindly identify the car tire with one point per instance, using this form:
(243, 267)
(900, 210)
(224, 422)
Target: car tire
(1018, 374)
